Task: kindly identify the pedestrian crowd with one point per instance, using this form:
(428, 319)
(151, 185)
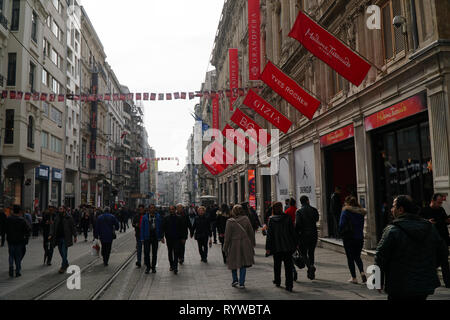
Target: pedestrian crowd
(409, 253)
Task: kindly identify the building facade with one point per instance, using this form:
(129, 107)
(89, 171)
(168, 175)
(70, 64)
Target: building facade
(388, 136)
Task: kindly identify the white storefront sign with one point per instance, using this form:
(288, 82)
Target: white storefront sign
(305, 173)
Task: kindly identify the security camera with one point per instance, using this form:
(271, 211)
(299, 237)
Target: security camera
(398, 21)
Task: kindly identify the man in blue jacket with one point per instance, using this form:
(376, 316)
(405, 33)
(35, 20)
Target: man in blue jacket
(151, 234)
(104, 229)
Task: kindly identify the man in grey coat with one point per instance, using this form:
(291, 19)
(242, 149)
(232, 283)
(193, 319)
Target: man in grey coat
(62, 231)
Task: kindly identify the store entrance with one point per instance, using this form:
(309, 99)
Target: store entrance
(340, 171)
(402, 159)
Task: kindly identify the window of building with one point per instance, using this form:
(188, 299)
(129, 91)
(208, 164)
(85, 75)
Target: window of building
(31, 75)
(56, 4)
(393, 39)
(56, 144)
(337, 82)
(56, 116)
(44, 140)
(12, 59)
(83, 153)
(34, 26)
(15, 16)
(46, 108)
(45, 77)
(9, 126)
(30, 133)
(56, 87)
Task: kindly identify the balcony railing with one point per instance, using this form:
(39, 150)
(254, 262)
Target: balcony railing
(2, 80)
(3, 21)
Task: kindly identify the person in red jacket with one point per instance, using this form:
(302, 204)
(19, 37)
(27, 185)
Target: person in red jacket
(291, 210)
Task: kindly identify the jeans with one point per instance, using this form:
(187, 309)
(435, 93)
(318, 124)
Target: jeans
(153, 244)
(139, 250)
(242, 273)
(173, 249)
(106, 251)
(307, 248)
(214, 229)
(203, 248)
(15, 256)
(286, 258)
(353, 248)
(62, 247)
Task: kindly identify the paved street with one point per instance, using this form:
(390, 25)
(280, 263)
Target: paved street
(195, 281)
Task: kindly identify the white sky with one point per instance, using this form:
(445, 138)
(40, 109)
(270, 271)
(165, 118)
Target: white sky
(160, 46)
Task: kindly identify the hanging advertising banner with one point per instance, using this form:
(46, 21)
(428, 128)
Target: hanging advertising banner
(239, 139)
(329, 49)
(252, 188)
(254, 39)
(338, 136)
(215, 110)
(290, 90)
(234, 74)
(397, 112)
(305, 173)
(244, 122)
(268, 112)
(282, 185)
(215, 158)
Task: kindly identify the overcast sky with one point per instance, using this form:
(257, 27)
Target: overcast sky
(162, 47)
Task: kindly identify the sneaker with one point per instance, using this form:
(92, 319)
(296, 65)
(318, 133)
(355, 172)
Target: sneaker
(61, 271)
(241, 287)
(289, 289)
(175, 272)
(153, 270)
(18, 274)
(147, 271)
(363, 278)
(354, 281)
(235, 284)
(138, 264)
(276, 283)
(171, 269)
(105, 264)
(181, 262)
(312, 273)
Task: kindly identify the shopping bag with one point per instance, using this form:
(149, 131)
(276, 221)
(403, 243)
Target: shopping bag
(298, 259)
(95, 250)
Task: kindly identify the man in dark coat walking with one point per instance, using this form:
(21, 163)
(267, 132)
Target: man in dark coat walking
(175, 232)
(202, 231)
(137, 220)
(181, 213)
(17, 233)
(306, 220)
(408, 254)
(438, 217)
(281, 242)
(63, 234)
(151, 234)
(104, 229)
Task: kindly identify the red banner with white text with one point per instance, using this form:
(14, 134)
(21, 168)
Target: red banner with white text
(268, 112)
(234, 74)
(246, 123)
(329, 49)
(290, 90)
(254, 39)
(239, 139)
(215, 110)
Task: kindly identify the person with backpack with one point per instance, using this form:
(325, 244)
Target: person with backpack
(17, 233)
(351, 229)
(239, 245)
(105, 231)
(409, 253)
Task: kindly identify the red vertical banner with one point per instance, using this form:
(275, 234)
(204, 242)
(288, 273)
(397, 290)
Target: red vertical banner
(252, 188)
(215, 107)
(234, 73)
(254, 39)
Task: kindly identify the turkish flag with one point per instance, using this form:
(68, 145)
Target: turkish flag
(146, 96)
(52, 97)
(239, 139)
(43, 97)
(263, 108)
(153, 96)
(130, 96)
(329, 49)
(246, 123)
(123, 97)
(4, 94)
(107, 96)
(12, 95)
(61, 97)
(91, 97)
(143, 167)
(290, 90)
(36, 96)
(191, 95)
(161, 96)
(183, 95)
(100, 97)
(83, 98)
(176, 95)
(19, 95)
(116, 97)
(168, 96)
(138, 96)
(27, 96)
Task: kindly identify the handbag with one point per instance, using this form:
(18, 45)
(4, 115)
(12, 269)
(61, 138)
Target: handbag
(298, 259)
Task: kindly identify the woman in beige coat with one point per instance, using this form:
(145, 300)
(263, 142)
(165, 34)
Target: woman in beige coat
(239, 245)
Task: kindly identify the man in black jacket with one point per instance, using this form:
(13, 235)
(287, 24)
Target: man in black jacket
(438, 217)
(17, 232)
(202, 231)
(408, 254)
(180, 212)
(175, 232)
(212, 217)
(281, 242)
(137, 219)
(306, 220)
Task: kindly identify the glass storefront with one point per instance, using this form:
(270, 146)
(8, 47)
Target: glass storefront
(402, 166)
